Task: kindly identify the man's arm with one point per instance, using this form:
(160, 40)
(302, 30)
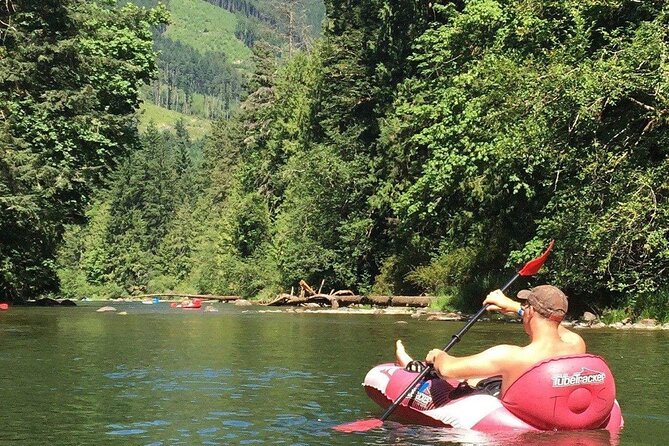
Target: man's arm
(493, 361)
(497, 301)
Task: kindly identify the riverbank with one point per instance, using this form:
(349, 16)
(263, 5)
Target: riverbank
(587, 321)
(417, 307)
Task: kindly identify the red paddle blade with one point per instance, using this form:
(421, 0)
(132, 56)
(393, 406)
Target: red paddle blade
(359, 426)
(533, 266)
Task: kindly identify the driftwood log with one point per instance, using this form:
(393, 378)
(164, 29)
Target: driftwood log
(335, 299)
(344, 299)
(306, 289)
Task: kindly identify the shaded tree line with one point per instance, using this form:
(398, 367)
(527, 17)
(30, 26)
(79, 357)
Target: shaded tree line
(139, 227)
(209, 85)
(285, 23)
(247, 8)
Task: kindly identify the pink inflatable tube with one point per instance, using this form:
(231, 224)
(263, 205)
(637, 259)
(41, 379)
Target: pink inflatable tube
(565, 393)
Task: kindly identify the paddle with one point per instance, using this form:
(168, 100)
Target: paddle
(530, 269)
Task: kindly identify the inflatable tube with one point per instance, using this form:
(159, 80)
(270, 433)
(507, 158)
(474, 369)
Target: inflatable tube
(192, 305)
(566, 393)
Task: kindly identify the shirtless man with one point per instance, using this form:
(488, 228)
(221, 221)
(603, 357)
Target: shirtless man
(542, 309)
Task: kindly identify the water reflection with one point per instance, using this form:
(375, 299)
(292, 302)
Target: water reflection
(397, 434)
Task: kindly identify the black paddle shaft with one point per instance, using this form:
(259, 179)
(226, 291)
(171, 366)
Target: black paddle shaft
(454, 340)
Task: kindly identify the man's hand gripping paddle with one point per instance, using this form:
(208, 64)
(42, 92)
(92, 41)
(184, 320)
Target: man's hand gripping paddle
(529, 269)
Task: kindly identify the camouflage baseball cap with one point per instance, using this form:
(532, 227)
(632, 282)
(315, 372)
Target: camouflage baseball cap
(547, 300)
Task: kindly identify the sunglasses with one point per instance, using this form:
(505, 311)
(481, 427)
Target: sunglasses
(523, 307)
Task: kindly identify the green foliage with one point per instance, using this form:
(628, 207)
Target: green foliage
(230, 275)
(611, 213)
(386, 283)
(70, 73)
(531, 123)
(445, 302)
(83, 259)
(169, 283)
(218, 265)
(423, 148)
(653, 305)
(250, 225)
(165, 119)
(203, 84)
(140, 232)
(75, 286)
(205, 57)
(175, 250)
(613, 315)
(448, 270)
(307, 237)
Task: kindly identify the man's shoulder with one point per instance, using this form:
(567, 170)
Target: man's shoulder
(517, 357)
(506, 351)
(574, 340)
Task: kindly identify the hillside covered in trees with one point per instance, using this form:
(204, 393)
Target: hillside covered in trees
(416, 147)
(204, 53)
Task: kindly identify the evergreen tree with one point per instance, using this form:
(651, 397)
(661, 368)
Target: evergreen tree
(69, 77)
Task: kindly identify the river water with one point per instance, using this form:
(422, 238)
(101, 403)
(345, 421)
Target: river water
(239, 376)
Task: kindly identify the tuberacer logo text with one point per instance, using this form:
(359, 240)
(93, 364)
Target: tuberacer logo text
(584, 377)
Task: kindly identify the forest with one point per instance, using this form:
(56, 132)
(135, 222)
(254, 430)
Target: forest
(416, 147)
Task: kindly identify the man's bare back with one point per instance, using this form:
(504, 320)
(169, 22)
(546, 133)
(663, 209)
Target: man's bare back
(520, 359)
(548, 340)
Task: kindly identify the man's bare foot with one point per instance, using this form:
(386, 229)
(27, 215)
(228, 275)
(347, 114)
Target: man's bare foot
(402, 357)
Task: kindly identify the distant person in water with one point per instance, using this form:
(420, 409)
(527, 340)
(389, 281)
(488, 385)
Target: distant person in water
(542, 309)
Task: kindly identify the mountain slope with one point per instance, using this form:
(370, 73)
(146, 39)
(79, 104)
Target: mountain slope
(206, 28)
(205, 53)
(165, 119)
